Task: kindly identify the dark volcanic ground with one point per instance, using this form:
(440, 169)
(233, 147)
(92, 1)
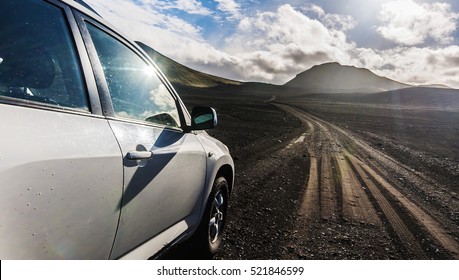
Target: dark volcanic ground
(272, 174)
(269, 179)
(427, 138)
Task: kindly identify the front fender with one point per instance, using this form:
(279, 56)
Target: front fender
(218, 162)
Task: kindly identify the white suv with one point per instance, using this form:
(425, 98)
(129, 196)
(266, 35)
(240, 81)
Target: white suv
(99, 157)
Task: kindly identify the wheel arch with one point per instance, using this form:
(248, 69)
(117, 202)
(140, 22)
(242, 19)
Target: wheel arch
(227, 172)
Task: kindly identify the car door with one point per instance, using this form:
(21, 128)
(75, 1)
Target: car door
(164, 168)
(60, 171)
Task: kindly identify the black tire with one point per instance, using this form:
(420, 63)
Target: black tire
(209, 235)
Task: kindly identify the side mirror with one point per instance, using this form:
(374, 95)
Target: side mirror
(203, 118)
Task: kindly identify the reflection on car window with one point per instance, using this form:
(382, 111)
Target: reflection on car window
(38, 61)
(135, 89)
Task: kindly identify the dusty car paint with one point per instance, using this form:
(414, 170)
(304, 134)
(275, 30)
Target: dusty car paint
(61, 177)
(85, 184)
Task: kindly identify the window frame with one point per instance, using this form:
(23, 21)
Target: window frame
(94, 107)
(82, 20)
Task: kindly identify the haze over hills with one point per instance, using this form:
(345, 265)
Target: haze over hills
(336, 78)
(332, 78)
(432, 97)
(179, 74)
(437, 86)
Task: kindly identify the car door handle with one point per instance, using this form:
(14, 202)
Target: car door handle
(137, 155)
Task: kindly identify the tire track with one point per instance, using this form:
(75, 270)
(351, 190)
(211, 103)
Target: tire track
(310, 205)
(407, 238)
(356, 204)
(361, 187)
(328, 201)
(430, 224)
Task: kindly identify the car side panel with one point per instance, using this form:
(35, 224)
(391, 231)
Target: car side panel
(60, 182)
(161, 191)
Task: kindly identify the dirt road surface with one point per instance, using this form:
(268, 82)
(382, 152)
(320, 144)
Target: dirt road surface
(324, 180)
(350, 181)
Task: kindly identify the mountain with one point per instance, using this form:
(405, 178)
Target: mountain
(181, 75)
(437, 86)
(336, 78)
(416, 96)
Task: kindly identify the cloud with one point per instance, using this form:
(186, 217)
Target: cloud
(413, 65)
(274, 46)
(229, 7)
(193, 7)
(270, 46)
(409, 23)
(134, 19)
(332, 21)
(188, 6)
(277, 45)
(145, 22)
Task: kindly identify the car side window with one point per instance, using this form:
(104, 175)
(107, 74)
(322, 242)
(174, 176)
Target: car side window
(135, 89)
(38, 61)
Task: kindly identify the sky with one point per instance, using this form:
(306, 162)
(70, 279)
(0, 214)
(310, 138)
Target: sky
(411, 41)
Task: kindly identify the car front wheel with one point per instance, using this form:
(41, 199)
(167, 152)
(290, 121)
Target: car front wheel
(210, 232)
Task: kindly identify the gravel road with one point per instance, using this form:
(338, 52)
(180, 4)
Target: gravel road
(309, 185)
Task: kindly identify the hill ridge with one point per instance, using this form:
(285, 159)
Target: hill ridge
(179, 74)
(332, 77)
